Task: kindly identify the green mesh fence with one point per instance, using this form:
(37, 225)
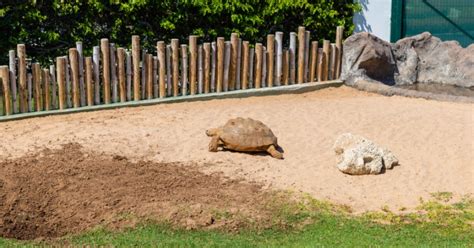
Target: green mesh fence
(446, 19)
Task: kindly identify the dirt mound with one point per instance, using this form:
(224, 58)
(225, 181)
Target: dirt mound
(57, 192)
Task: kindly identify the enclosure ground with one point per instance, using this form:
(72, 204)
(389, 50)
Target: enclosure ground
(101, 200)
(432, 140)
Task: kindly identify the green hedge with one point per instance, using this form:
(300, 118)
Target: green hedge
(48, 28)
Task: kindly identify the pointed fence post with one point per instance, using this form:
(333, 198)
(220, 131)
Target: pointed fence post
(220, 64)
(36, 71)
(46, 90)
(80, 57)
(54, 84)
(121, 73)
(207, 66)
(270, 59)
(175, 65)
(258, 65)
(184, 70)
(22, 80)
(301, 49)
(161, 53)
(279, 57)
(13, 78)
(105, 49)
(96, 68)
(89, 79)
(61, 77)
(5, 78)
(136, 66)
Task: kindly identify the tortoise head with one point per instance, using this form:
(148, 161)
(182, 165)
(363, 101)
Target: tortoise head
(213, 131)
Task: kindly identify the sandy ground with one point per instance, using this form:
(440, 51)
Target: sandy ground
(433, 140)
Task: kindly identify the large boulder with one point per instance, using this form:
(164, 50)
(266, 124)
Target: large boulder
(357, 155)
(367, 56)
(418, 59)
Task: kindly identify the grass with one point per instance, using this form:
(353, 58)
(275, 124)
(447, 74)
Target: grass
(306, 223)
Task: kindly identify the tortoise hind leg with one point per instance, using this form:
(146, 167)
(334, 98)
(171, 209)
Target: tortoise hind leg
(274, 152)
(214, 144)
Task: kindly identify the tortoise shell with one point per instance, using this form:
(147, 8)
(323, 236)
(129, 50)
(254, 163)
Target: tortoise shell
(246, 134)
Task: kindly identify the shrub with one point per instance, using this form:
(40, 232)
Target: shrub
(49, 27)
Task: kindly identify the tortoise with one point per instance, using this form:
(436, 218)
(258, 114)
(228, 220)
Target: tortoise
(244, 135)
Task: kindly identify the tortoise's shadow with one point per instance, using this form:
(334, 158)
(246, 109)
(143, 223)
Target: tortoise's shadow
(262, 154)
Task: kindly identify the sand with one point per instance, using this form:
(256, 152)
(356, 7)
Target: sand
(433, 140)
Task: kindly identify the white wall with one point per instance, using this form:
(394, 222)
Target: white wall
(374, 17)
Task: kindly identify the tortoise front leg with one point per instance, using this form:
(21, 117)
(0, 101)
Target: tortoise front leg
(214, 144)
(274, 152)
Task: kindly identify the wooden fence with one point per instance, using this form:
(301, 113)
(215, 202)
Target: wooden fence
(115, 74)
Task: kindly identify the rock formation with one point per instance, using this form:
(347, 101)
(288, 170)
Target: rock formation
(418, 59)
(357, 155)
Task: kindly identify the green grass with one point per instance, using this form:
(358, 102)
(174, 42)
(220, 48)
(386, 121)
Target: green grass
(437, 224)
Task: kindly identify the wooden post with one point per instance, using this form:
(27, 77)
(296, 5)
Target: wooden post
(192, 63)
(136, 66)
(213, 65)
(264, 67)
(129, 75)
(184, 70)
(96, 65)
(326, 47)
(200, 70)
(168, 70)
(220, 63)
(143, 76)
(29, 78)
(80, 57)
(301, 43)
(332, 62)
(251, 67)
(121, 73)
(54, 98)
(227, 58)
(149, 76)
(238, 80)
(5, 77)
(314, 60)
(258, 65)
(321, 60)
(234, 50)
(292, 52)
(61, 76)
(68, 83)
(113, 72)
(160, 52)
(286, 66)
(207, 66)
(22, 81)
(270, 59)
(46, 90)
(12, 68)
(307, 38)
(156, 89)
(279, 57)
(36, 70)
(75, 77)
(175, 56)
(339, 37)
(245, 65)
(105, 49)
(89, 80)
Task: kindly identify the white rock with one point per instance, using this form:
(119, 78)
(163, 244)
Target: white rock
(357, 155)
